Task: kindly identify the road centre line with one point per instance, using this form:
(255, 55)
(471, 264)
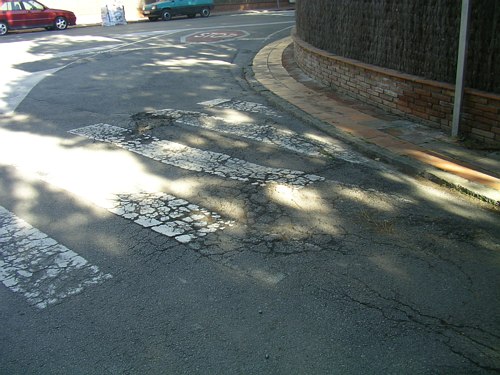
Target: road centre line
(38, 267)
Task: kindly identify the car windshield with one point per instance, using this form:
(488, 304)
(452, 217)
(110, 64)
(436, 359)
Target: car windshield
(33, 5)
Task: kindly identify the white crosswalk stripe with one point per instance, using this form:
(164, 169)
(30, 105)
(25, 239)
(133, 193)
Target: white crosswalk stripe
(265, 133)
(167, 215)
(240, 105)
(194, 159)
(38, 267)
(45, 271)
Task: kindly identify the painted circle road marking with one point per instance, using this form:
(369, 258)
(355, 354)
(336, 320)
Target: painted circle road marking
(213, 36)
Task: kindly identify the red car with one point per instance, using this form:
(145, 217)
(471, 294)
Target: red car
(30, 14)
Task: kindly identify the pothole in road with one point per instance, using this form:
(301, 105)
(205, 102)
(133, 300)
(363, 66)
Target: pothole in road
(147, 121)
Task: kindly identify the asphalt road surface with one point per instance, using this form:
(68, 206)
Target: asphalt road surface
(158, 216)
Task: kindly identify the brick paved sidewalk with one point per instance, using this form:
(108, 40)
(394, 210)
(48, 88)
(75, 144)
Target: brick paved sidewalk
(412, 147)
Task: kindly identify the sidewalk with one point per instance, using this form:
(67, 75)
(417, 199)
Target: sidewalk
(413, 148)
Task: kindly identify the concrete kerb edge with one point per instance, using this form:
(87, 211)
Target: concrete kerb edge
(403, 164)
(483, 193)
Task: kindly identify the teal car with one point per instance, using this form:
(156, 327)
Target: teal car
(165, 10)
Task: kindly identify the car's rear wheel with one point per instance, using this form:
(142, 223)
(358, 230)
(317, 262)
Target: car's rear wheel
(61, 23)
(205, 12)
(166, 16)
(3, 28)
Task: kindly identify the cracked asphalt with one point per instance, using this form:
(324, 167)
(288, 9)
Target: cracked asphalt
(186, 226)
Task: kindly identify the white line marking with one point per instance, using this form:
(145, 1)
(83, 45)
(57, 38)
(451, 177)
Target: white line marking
(241, 105)
(167, 215)
(213, 102)
(194, 159)
(38, 267)
(265, 133)
(16, 84)
(217, 37)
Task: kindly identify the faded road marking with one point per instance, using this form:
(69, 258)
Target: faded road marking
(241, 105)
(167, 215)
(261, 132)
(194, 159)
(38, 267)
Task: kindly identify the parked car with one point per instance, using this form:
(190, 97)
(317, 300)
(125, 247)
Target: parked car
(30, 14)
(165, 10)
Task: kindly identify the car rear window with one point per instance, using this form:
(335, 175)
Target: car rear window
(11, 5)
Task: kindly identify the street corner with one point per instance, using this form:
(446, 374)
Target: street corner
(214, 36)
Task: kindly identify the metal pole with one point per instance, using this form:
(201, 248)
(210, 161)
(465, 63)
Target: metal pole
(278, 3)
(462, 50)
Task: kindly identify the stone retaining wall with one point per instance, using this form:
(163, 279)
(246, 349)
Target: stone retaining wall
(414, 97)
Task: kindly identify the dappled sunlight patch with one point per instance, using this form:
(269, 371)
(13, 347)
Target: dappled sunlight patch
(30, 51)
(246, 265)
(488, 242)
(232, 117)
(74, 39)
(15, 118)
(24, 192)
(172, 68)
(210, 88)
(193, 159)
(389, 266)
(318, 138)
(240, 105)
(186, 186)
(101, 77)
(91, 172)
(110, 178)
(196, 141)
(394, 177)
(212, 54)
(450, 203)
(301, 199)
(368, 198)
(266, 276)
(22, 82)
(190, 62)
(329, 226)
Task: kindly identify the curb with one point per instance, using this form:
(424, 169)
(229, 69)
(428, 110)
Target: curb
(267, 75)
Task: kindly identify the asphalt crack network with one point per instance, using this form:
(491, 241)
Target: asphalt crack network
(450, 334)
